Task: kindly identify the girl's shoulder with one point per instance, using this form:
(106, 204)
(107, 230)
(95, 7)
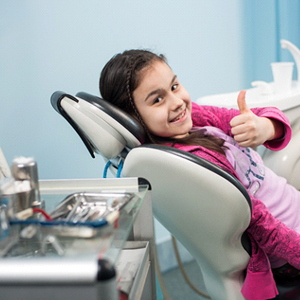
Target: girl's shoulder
(205, 115)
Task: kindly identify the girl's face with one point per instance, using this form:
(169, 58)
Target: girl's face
(164, 104)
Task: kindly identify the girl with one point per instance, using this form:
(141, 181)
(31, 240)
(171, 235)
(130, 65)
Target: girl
(142, 84)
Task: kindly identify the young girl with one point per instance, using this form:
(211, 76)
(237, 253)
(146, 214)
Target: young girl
(142, 84)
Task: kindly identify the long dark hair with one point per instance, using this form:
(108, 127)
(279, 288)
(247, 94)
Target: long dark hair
(122, 75)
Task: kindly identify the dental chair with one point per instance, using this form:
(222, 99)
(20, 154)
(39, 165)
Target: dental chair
(202, 206)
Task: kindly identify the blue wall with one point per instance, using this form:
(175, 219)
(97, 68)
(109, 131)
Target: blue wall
(62, 45)
(264, 24)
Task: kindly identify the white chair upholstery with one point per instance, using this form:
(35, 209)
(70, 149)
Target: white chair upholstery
(204, 207)
(205, 211)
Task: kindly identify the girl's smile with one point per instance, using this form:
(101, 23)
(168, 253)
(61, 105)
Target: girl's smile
(181, 115)
(163, 103)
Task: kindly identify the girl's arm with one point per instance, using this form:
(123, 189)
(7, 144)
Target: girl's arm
(268, 126)
(272, 236)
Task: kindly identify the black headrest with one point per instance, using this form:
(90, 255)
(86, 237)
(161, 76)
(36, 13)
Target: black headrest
(131, 124)
(96, 120)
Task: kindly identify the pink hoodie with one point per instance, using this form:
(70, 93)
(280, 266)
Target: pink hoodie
(268, 235)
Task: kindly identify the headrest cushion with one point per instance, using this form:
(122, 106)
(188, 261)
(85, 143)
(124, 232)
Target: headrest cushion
(103, 127)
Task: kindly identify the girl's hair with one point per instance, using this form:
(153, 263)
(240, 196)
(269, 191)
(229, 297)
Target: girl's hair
(122, 75)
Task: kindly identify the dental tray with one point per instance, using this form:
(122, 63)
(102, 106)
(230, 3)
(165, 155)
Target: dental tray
(84, 209)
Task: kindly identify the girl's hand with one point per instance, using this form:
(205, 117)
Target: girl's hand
(249, 130)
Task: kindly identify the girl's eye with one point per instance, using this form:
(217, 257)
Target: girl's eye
(174, 86)
(158, 99)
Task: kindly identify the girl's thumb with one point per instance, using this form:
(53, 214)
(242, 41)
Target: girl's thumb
(242, 102)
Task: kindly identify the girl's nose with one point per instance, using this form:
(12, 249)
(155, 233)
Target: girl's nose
(176, 102)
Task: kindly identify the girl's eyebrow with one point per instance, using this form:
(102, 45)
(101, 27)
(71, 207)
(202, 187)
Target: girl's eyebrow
(159, 91)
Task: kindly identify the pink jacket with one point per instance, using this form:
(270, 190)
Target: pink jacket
(267, 234)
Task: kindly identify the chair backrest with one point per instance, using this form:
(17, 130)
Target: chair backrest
(103, 128)
(204, 207)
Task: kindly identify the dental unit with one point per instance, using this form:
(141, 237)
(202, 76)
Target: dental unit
(212, 229)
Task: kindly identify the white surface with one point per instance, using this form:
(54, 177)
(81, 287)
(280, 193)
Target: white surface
(255, 98)
(282, 75)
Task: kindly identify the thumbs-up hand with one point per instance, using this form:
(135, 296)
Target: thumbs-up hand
(248, 129)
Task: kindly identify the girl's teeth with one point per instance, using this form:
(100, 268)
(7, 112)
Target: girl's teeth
(179, 117)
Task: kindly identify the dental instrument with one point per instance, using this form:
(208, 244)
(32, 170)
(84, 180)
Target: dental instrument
(4, 168)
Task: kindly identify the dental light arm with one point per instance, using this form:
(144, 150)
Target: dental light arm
(295, 53)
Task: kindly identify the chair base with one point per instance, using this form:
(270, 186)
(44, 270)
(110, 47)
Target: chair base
(288, 289)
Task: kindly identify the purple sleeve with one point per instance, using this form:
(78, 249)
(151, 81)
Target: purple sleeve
(203, 115)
